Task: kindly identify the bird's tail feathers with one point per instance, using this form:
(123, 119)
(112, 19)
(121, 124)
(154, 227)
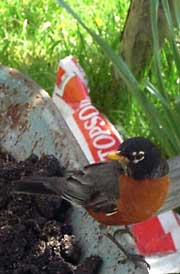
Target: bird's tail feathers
(40, 185)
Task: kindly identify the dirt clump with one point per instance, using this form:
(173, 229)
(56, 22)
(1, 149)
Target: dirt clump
(36, 236)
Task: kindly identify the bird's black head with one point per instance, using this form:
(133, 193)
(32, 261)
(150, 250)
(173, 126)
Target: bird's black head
(140, 159)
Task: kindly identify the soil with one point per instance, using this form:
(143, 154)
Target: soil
(36, 236)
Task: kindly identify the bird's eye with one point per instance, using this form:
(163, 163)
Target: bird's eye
(136, 157)
(140, 155)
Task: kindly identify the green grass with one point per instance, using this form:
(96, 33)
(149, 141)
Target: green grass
(34, 35)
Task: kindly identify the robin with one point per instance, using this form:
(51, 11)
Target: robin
(127, 189)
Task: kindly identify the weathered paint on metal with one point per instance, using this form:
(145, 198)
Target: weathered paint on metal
(31, 123)
(94, 242)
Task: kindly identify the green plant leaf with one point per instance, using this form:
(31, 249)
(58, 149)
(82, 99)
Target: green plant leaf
(171, 34)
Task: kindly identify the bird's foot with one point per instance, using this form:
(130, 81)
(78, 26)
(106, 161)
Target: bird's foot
(125, 230)
(134, 258)
(137, 259)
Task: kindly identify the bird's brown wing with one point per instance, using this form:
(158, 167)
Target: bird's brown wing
(96, 187)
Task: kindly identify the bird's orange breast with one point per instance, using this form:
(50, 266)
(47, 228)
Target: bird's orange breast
(139, 200)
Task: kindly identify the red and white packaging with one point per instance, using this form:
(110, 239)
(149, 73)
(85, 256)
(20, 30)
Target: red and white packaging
(158, 238)
(95, 135)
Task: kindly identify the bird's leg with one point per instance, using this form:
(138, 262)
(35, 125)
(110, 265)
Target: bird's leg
(125, 230)
(135, 258)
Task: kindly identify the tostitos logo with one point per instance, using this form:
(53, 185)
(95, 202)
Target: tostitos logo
(98, 132)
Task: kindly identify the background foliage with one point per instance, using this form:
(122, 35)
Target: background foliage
(34, 35)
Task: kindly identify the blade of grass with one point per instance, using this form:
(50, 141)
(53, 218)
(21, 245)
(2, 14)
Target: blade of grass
(157, 94)
(176, 5)
(171, 117)
(172, 34)
(154, 5)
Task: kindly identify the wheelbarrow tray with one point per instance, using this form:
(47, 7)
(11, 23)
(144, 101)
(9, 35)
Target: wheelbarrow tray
(31, 123)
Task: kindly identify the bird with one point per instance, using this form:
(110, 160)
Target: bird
(126, 189)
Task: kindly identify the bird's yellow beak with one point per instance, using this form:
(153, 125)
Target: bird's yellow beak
(116, 155)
